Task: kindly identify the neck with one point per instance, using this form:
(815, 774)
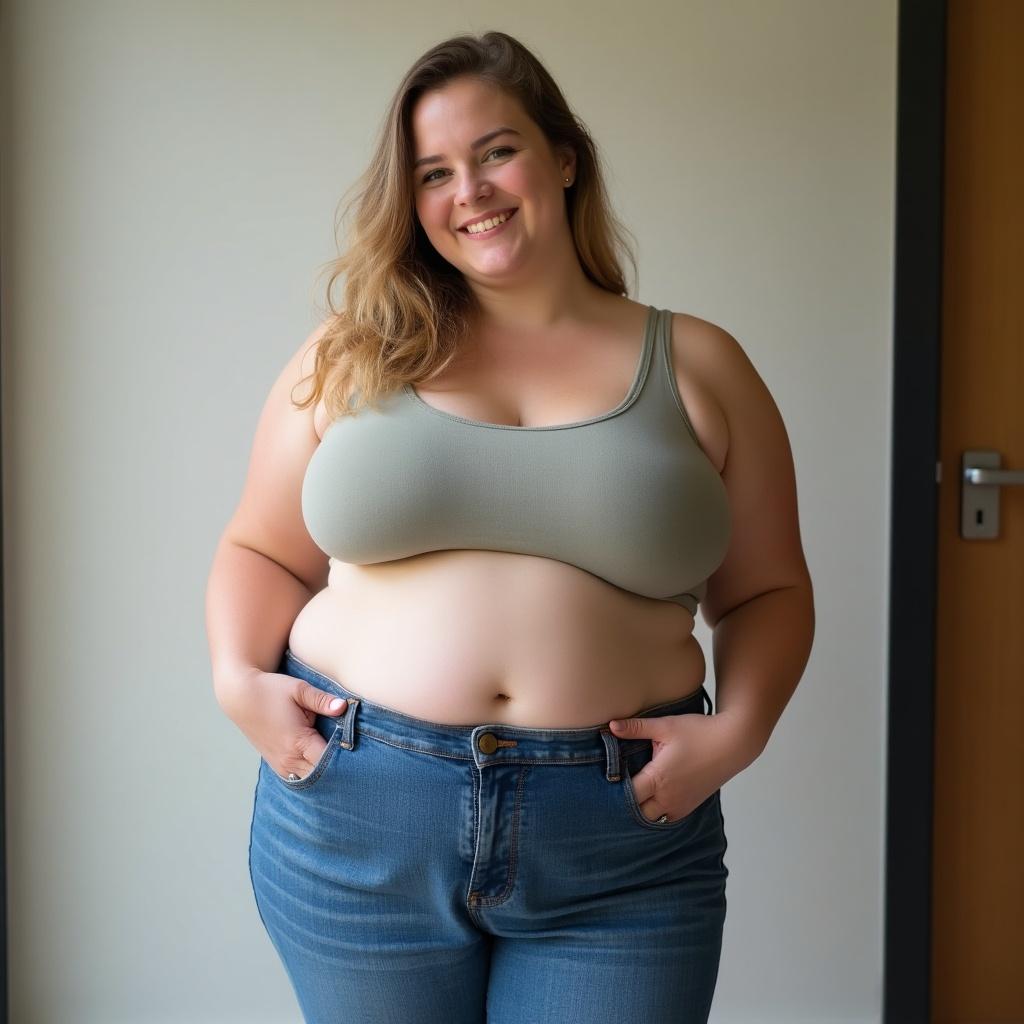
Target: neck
(550, 297)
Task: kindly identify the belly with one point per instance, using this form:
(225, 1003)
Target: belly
(465, 637)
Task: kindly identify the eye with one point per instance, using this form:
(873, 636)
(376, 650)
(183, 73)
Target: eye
(497, 149)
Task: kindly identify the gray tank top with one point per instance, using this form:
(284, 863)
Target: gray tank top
(628, 495)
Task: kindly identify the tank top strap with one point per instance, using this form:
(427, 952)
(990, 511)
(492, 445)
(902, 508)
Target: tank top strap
(661, 355)
(666, 389)
(648, 352)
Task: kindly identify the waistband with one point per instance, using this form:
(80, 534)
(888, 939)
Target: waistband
(489, 742)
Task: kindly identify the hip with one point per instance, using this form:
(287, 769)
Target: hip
(414, 847)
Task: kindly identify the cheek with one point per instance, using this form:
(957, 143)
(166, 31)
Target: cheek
(533, 185)
(435, 218)
(521, 180)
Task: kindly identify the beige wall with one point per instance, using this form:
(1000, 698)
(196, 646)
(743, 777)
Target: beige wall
(169, 184)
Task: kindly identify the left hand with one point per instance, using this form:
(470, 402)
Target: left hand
(693, 755)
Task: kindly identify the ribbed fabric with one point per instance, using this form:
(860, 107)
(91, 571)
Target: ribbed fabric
(628, 495)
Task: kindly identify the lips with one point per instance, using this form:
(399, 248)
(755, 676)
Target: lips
(511, 213)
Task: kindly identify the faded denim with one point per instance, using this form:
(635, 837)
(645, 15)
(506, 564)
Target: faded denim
(439, 874)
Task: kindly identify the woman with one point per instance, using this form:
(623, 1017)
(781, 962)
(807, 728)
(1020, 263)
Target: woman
(489, 785)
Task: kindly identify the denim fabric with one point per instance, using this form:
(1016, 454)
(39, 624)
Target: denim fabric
(439, 874)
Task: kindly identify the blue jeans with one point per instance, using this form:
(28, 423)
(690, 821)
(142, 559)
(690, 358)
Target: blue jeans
(458, 874)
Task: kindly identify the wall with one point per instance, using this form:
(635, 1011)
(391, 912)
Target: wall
(170, 179)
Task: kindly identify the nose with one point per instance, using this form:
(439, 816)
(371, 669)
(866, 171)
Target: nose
(472, 186)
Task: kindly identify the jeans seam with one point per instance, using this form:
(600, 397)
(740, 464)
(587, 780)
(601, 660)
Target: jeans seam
(513, 860)
(477, 787)
(252, 829)
(362, 731)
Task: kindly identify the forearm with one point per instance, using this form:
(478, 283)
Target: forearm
(760, 651)
(251, 605)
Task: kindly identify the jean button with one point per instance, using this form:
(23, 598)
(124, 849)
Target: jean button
(487, 742)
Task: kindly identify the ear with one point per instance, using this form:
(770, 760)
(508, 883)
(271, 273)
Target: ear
(567, 161)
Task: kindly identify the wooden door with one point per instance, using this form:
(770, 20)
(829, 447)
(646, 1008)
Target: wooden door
(978, 868)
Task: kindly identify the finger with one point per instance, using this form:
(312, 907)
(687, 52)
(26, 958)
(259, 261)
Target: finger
(296, 774)
(652, 811)
(645, 790)
(293, 773)
(317, 700)
(634, 728)
(311, 749)
(643, 787)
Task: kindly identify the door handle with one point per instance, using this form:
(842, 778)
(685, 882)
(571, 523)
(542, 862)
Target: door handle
(996, 477)
(981, 476)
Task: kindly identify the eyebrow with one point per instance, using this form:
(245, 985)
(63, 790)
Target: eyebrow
(483, 140)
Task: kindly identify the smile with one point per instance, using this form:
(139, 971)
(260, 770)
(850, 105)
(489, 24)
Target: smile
(489, 232)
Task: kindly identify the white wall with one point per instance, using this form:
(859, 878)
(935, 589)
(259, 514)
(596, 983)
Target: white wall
(170, 180)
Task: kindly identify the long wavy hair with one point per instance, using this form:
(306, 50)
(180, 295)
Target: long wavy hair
(406, 309)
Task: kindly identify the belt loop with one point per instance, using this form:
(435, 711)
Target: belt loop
(348, 723)
(613, 766)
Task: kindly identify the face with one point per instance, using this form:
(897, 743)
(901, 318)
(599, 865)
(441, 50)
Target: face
(516, 170)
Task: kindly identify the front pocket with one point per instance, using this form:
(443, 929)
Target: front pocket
(331, 730)
(632, 762)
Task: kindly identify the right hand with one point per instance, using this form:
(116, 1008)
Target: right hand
(277, 714)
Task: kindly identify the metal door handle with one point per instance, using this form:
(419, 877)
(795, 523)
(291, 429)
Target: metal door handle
(980, 480)
(993, 477)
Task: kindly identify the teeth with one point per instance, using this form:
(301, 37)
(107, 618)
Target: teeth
(486, 225)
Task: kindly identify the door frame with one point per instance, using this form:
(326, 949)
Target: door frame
(914, 504)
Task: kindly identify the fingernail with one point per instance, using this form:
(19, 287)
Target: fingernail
(336, 703)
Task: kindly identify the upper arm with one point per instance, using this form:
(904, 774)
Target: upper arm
(268, 518)
(765, 552)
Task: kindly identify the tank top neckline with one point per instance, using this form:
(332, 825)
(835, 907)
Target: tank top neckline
(639, 376)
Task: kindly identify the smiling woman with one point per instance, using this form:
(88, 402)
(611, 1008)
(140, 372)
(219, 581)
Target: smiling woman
(454, 610)
(474, 183)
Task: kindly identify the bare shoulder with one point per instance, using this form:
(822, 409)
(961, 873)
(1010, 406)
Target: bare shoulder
(718, 371)
(302, 366)
(765, 551)
(697, 362)
(710, 352)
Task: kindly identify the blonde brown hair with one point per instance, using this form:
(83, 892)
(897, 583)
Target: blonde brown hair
(405, 309)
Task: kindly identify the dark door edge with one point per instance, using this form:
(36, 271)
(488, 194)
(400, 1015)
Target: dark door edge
(913, 568)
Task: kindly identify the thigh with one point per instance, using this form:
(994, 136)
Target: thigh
(356, 875)
(631, 928)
